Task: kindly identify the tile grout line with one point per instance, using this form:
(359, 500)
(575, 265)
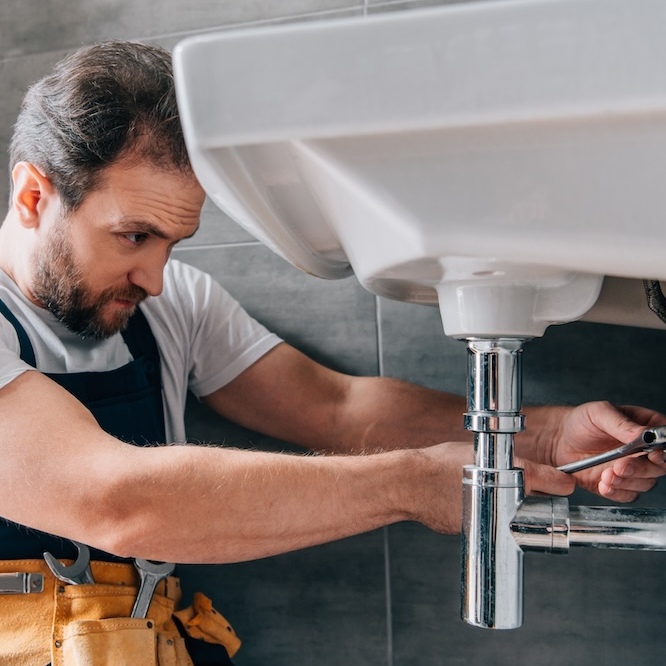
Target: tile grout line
(255, 23)
(216, 246)
(387, 553)
(182, 34)
(380, 348)
(389, 599)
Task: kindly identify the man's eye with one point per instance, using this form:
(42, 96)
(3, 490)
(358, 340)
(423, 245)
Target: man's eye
(136, 239)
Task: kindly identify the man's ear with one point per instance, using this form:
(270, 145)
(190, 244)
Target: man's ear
(31, 191)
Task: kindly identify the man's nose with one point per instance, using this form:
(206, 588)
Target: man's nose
(149, 276)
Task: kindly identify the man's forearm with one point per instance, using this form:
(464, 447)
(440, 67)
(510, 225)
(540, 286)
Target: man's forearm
(398, 414)
(193, 504)
(203, 504)
(385, 413)
(290, 397)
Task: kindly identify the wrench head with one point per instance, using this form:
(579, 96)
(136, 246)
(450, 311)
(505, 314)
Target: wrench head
(151, 573)
(77, 573)
(159, 568)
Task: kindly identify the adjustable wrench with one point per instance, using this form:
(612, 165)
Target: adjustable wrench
(78, 573)
(651, 439)
(151, 573)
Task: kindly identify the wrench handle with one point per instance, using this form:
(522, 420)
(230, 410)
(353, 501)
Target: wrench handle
(150, 575)
(651, 439)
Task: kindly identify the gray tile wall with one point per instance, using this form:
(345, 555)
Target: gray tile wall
(389, 597)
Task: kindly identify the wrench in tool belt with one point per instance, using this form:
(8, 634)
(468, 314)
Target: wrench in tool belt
(151, 574)
(78, 573)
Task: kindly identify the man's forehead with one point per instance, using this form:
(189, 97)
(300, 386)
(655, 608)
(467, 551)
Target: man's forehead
(144, 192)
(133, 168)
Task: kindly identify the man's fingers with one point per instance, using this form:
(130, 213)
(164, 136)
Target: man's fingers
(615, 494)
(636, 484)
(642, 466)
(658, 458)
(546, 479)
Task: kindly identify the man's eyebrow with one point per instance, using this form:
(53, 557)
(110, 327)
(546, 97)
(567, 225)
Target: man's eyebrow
(145, 227)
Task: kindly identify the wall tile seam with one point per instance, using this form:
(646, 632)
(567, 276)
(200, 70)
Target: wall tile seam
(326, 13)
(363, 8)
(372, 6)
(11, 58)
(389, 596)
(217, 246)
(379, 336)
(258, 23)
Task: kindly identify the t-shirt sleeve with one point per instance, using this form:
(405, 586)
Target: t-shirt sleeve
(224, 340)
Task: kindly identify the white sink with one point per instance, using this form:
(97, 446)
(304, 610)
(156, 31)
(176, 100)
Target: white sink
(499, 157)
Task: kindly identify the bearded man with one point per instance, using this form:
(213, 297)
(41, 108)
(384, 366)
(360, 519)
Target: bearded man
(102, 335)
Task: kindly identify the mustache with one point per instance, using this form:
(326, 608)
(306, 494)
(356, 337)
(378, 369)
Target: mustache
(129, 293)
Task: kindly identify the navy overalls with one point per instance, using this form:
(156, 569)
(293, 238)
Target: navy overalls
(127, 403)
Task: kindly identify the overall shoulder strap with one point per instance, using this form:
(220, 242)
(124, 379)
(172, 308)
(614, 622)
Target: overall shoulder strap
(27, 352)
(138, 336)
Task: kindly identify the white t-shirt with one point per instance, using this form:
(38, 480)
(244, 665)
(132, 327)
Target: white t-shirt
(205, 339)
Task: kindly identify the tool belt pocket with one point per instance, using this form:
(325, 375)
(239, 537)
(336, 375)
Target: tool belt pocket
(92, 627)
(109, 642)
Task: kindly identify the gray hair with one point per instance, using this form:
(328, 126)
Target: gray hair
(103, 102)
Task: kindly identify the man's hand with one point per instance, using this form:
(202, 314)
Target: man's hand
(437, 496)
(569, 434)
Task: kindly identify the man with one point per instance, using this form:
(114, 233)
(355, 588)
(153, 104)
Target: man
(100, 338)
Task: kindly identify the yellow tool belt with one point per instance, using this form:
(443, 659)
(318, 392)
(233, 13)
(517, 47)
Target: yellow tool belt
(48, 621)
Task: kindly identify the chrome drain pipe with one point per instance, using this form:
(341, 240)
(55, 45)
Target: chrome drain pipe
(549, 525)
(498, 522)
(493, 490)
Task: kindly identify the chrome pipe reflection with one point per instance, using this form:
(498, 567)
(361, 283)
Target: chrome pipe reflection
(550, 525)
(498, 523)
(617, 527)
(542, 524)
(492, 562)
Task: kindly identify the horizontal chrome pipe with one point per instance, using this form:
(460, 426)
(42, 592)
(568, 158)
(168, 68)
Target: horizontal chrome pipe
(617, 527)
(542, 525)
(550, 525)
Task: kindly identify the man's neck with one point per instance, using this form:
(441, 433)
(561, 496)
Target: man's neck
(5, 245)
(14, 257)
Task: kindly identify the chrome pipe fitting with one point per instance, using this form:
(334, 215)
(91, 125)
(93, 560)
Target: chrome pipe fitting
(494, 397)
(617, 527)
(492, 561)
(542, 525)
(550, 525)
(498, 523)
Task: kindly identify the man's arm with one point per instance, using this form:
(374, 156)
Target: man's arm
(288, 396)
(62, 474)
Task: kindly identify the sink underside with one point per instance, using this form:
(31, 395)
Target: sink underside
(490, 146)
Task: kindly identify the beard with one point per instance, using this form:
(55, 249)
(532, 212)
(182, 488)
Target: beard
(59, 285)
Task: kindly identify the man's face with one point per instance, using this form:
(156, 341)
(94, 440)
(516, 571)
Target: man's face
(96, 264)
